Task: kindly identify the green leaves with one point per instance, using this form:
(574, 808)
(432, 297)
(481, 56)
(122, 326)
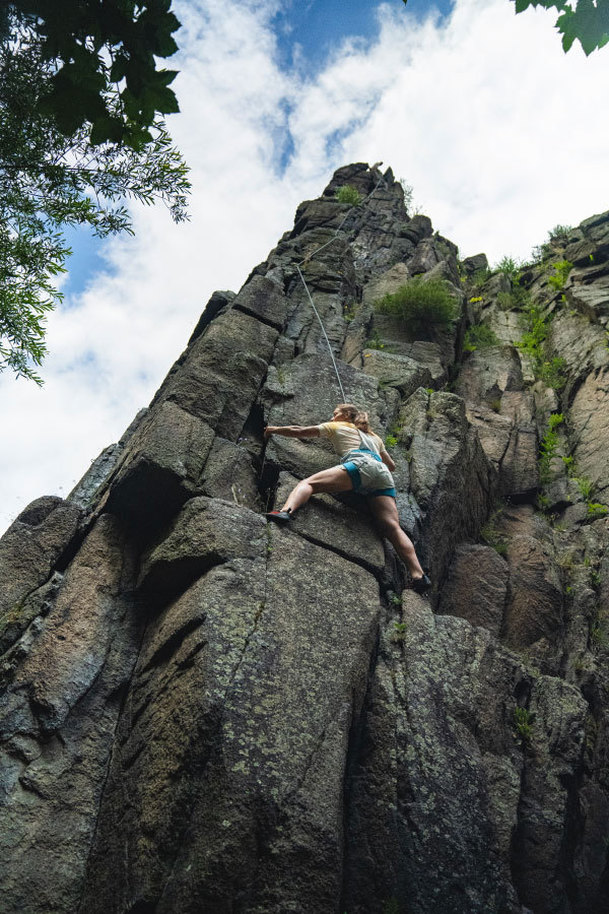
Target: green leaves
(588, 22)
(584, 20)
(71, 153)
(100, 51)
(522, 5)
(27, 265)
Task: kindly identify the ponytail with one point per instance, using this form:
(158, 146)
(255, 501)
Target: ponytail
(361, 421)
(358, 417)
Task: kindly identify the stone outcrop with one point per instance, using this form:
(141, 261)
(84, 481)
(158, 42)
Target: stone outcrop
(204, 712)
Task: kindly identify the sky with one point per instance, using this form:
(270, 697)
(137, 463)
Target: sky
(501, 135)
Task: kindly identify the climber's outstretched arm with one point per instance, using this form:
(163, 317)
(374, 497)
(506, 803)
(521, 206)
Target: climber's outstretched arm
(292, 431)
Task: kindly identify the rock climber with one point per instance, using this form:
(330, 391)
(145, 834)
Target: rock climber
(365, 468)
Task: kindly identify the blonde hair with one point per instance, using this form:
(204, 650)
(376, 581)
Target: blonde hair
(358, 417)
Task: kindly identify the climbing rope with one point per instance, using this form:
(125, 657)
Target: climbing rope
(304, 282)
(323, 330)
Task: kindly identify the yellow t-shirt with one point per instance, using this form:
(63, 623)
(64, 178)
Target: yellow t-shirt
(344, 437)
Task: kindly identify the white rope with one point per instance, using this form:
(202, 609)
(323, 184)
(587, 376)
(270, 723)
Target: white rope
(323, 330)
(310, 257)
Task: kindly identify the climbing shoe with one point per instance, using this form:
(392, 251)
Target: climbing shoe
(281, 517)
(421, 585)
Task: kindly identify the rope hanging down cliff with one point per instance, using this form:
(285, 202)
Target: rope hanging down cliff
(304, 282)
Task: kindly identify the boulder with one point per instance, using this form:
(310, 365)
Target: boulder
(264, 300)
(230, 474)
(534, 610)
(487, 373)
(205, 533)
(205, 711)
(474, 264)
(386, 283)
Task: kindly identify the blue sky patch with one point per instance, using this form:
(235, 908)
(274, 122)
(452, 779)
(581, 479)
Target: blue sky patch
(309, 30)
(85, 262)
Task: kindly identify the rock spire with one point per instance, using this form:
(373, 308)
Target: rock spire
(202, 712)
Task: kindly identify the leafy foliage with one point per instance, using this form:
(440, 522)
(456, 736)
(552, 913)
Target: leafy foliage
(408, 193)
(400, 632)
(560, 233)
(49, 180)
(480, 277)
(562, 268)
(549, 370)
(479, 336)
(374, 342)
(584, 20)
(584, 485)
(348, 194)
(523, 724)
(421, 304)
(508, 266)
(549, 446)
(104, 68)
(506, 301)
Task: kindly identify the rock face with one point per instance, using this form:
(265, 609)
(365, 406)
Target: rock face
(202, 712)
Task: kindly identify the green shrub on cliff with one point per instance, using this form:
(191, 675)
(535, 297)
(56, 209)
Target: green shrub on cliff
(560, 233)
(374, 342)
(348, 194)
(508, 266)
(421, 304)
(479, 336)
(523, 725)
(533, 342)
(549, 446)
(562, 268)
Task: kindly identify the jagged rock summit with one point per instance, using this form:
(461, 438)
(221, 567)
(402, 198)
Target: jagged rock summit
(201, 712)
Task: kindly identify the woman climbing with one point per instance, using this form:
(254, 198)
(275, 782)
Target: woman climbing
(364, 468)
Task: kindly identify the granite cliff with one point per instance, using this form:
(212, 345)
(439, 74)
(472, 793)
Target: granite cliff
(202, 712)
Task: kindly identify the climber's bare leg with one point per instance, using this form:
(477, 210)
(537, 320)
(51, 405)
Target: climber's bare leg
(385, 513)
(335, 479)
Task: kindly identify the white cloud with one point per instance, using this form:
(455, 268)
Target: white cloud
(496, 128)
(501, 135)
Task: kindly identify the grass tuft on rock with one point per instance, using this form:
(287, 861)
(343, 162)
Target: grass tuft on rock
(523, 726)
(479, 336)
(421, 304)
